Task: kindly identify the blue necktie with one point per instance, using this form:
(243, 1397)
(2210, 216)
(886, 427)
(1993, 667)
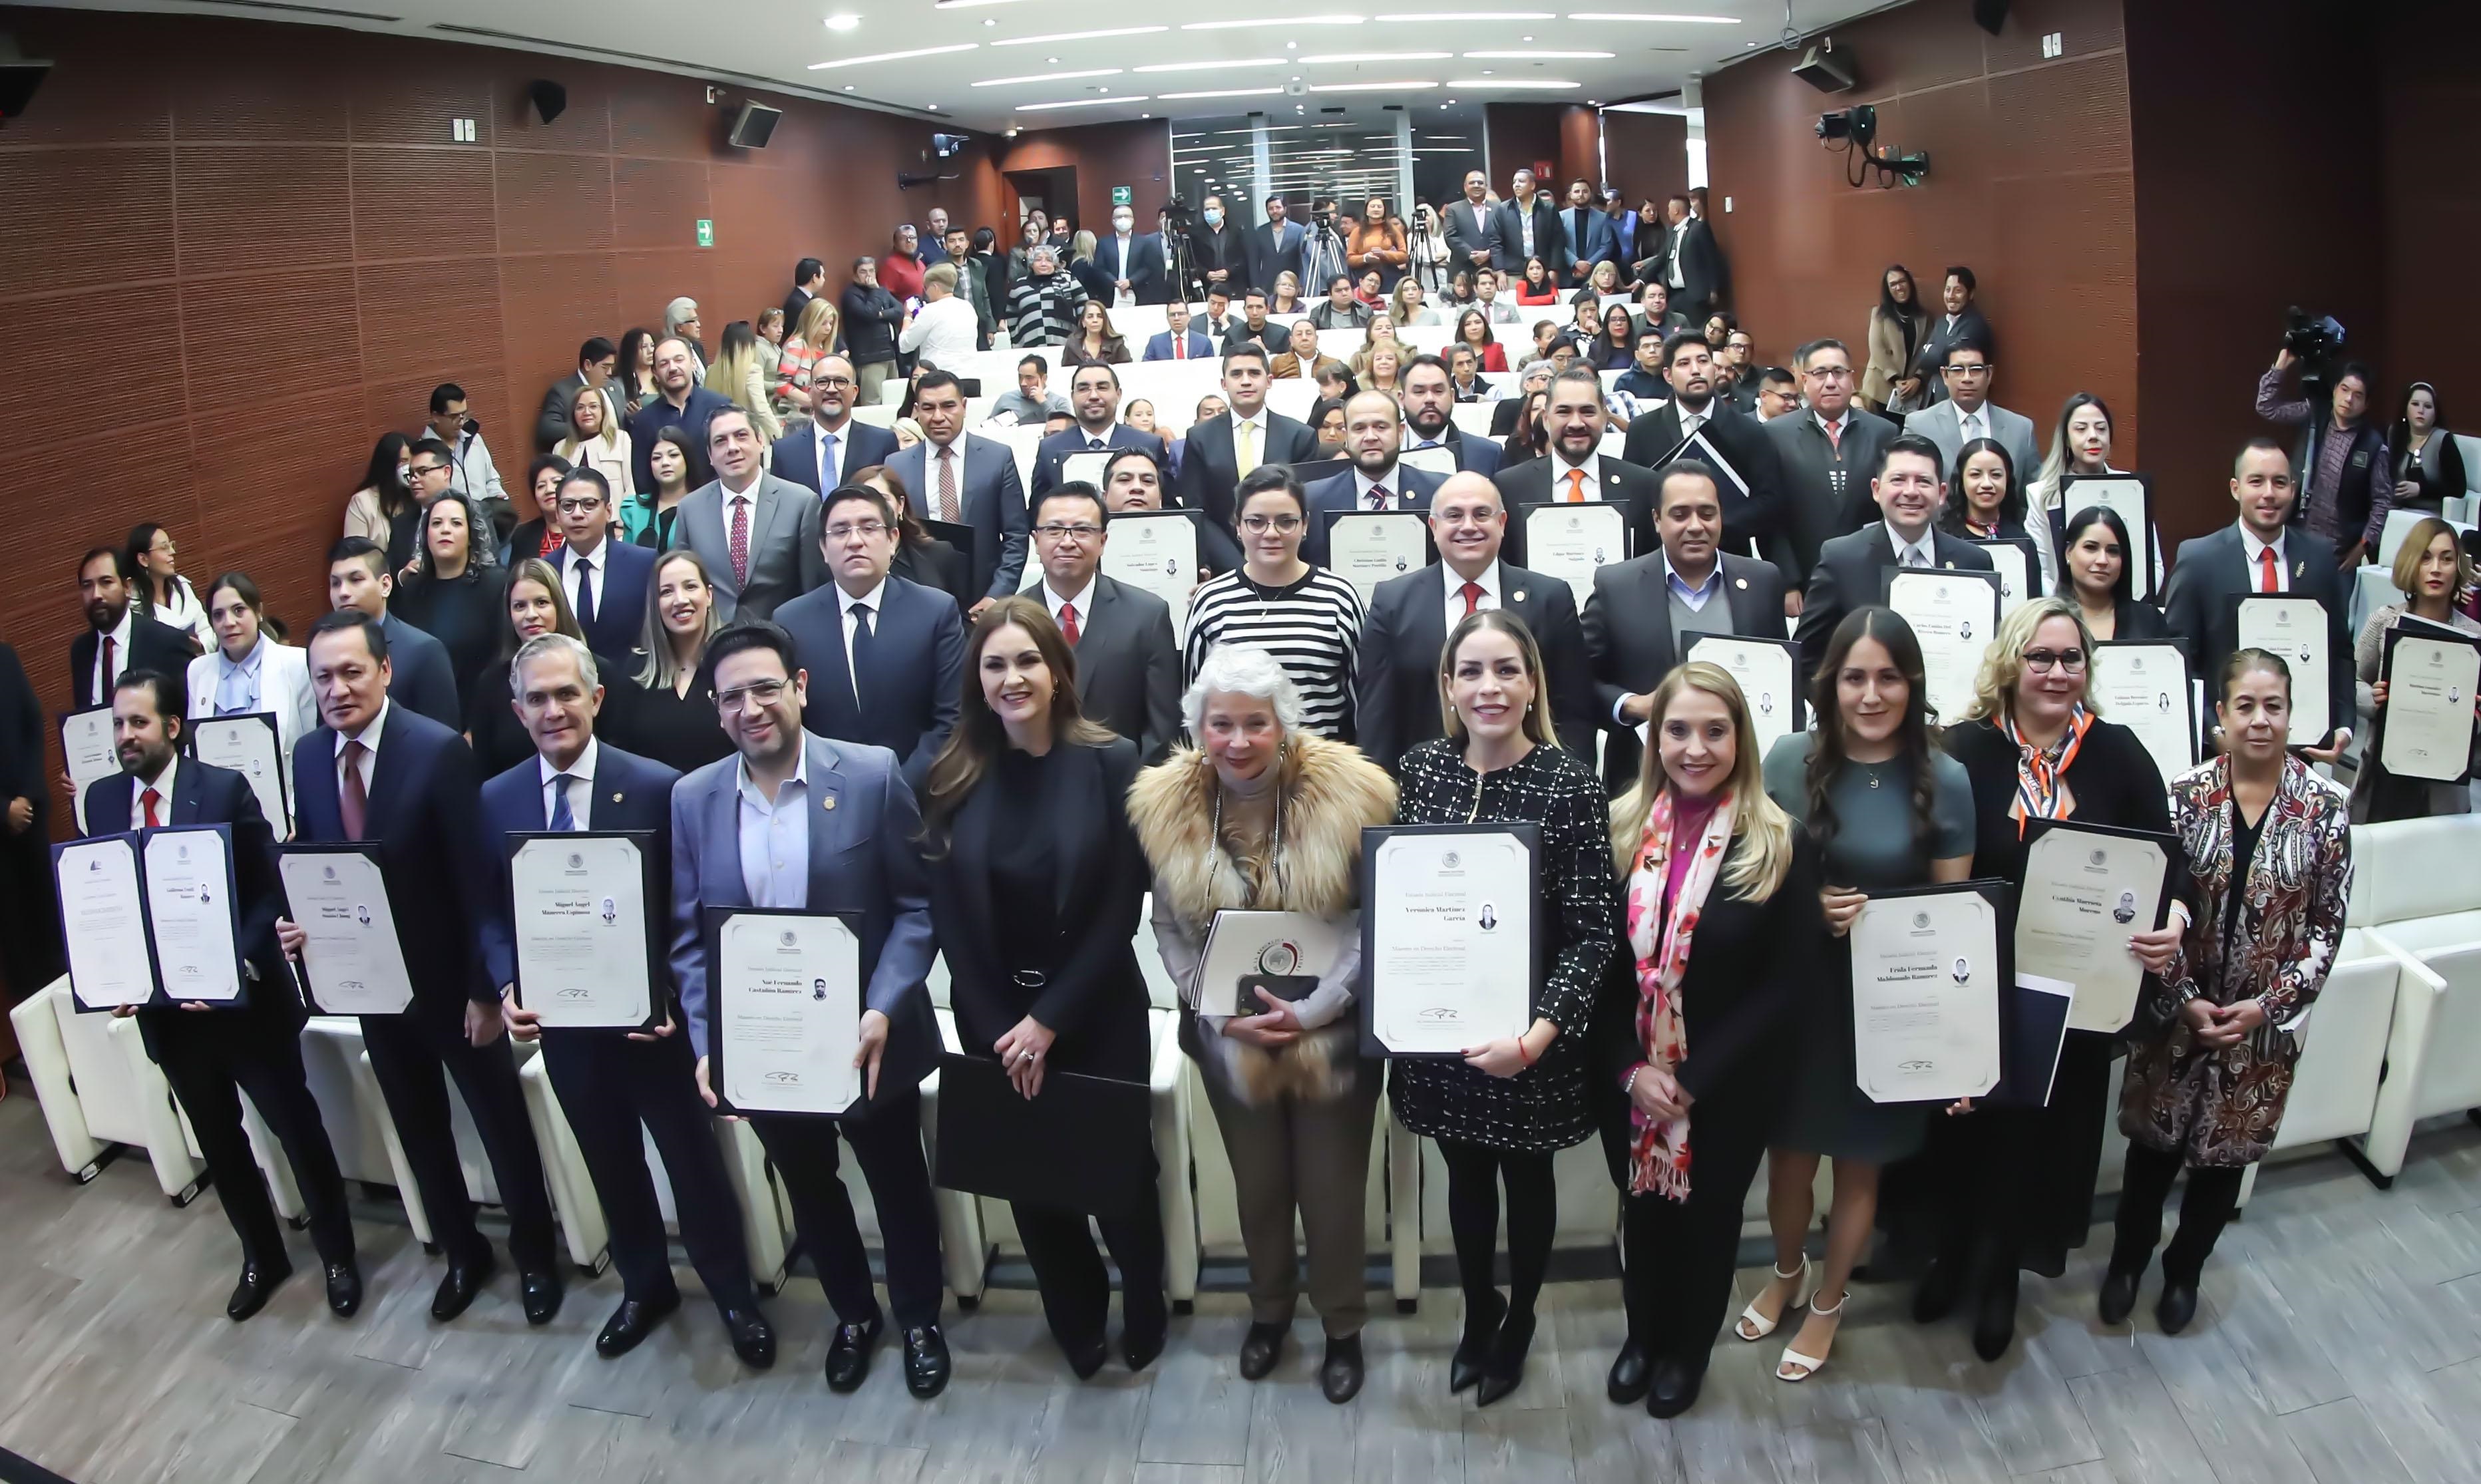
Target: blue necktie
(586, 592)
(562, 822)
(826, 460)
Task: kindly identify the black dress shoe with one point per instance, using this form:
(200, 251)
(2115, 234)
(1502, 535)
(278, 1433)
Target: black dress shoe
(257, 1281)
(2176, 1306)
(1339, 1373)
(1141, 1339)
(1994, 1323)
(925, 1362)
(1631, 1375)
(2119, 1294)
(1503, 1366)
(541, 1293)
(460, 1288)
(1942, 1283)
(632, 1322)
(344, 1287)
(849, 1355)
(1482, 1327)
(1673, 1389)
(1086, 1360)
(1261, 1348)
(754, 1339)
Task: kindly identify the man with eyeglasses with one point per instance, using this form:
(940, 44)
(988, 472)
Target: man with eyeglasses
(1095, 397)
(1128, 664)
(1739, 371)
(1827, 454)
(605, 578)
(794, 820)
(888, 655)
(1909, 487)
(1777, 394)
(1968, 413)
(818, 456)
(1396, 690)
(429, 467)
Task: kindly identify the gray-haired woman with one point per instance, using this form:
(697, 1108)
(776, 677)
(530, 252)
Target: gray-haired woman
(681, 322)
(1265, 815)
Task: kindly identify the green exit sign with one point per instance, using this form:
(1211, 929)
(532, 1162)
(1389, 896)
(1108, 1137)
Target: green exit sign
(1120, 195)
(706, 231)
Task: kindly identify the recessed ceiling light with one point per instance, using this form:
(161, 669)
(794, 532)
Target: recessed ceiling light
(967, 5)
(1367, 86)
(1513, 82)
(1297, 20)
(849, 87)
(922, 51)
(1534, 56)
(843, 22)
(1682, 20)
(1046, 77)
(1054, 60)
(1035, 108)
(991, 21)
(1528, 38)
(1222, 92)
(1208, 66)
(1350, 57)
(1079, 36)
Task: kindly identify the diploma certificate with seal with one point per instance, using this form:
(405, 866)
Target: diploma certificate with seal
(1927, 966)
(1447, 936)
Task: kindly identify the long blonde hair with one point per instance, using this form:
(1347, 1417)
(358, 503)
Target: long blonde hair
(818, 325)
(2002, 663)
(1760, 830)
(736, 365)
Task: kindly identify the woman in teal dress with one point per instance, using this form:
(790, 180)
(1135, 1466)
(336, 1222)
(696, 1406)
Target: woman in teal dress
(1885, 809)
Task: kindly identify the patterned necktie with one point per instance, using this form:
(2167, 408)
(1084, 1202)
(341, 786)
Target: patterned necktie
(148, 801)
(1379, 498)
(740, 542)
(1835, 438)
(585, 592)
(946, 491)
(2269, 571)
(1068, 622)
(562, 819)
(352, 799)
(1575, 487)
(1473, 598)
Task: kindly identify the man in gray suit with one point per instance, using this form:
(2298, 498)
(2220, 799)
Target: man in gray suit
(1128, 665)
(955, 477)
(1827, 454)
(757, 534)
(1968, 413)
(841, 827)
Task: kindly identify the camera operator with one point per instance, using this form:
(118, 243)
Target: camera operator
(1324, 255)
(1219, 249)
(2344, 454)
(1429, 250)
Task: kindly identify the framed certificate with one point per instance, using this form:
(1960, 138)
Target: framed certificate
(2293, 626)
(2143, 686)
(1449, 945)
(1768, 670)
(88, 752)
(2426, 728)
(103, 922)
(1367, 546)
(1155, 551)
(1441, 460)
(1955, 615)
(191, 892)
(1572, 542)
(2020, 575)
(1084, 468)
(585, 942)
(1927, 966)
(2130, 497)
(783, 1011)
(2087, 887)
(247, 745)
(352, 960)
(1283, 953)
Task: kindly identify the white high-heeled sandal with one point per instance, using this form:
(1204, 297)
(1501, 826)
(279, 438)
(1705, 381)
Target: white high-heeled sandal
(1810, 1365)
(1754, 1326)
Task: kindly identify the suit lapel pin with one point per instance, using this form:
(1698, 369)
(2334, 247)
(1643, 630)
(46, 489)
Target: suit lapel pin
(828, 803)
(1519, 595)
(615, 799)
(1741, 582)
(2300, 569)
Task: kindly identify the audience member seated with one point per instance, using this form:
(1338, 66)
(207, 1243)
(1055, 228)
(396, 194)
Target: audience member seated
(1339, 309)
(1301, 359)
(1096, 343)
(1537, 288)
(1179, 343)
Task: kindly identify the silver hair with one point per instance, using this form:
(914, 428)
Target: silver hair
(1242, 669)
(1034, 253)
(678, 310)
(554, 643)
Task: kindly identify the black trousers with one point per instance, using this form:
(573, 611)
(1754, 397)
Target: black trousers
(1680, 1254)
(888, 1143)
(31, 953)
(211, 1058)
(609, 1087)
(1474, 1172)
(1075, 1288)
(2213, 1194)
(409, 1054)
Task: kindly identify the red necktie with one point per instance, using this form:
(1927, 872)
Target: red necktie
(2269, 571)
(1068, 622)
(740, 543)
(1179, 348)
(352, 800)
(148, 801)
(1473, 599)
(103, 686)
(1835, 436)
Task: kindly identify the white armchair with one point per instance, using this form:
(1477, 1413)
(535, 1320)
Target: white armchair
(99, 1090)
(2416, 899)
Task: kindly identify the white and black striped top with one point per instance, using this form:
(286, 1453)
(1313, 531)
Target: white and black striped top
(1313, 629)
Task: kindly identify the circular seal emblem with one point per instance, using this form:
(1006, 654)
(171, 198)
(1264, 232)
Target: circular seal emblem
(1279, 957)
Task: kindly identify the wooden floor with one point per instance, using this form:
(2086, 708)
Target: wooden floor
(2341, 1342)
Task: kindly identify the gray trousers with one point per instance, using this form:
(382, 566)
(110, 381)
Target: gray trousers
(1314, 1157)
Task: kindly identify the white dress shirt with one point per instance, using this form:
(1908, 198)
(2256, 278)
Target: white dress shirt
(2250, 543)
(577, 779)
(776, 837)
(1679, 234)
(1084, 598)
(1361, 484)
(599, 554)
(846, 603)
(1923, 553)
(944, 332)
(1489, 581)
(106, 678)
(369, 738)
(162, 787)
(1592, 468)
(1124, 298)
(1257, 438)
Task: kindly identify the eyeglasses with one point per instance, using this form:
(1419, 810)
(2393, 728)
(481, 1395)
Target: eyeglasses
(766, 692)
(1831, 373)
(415, 469)
(838, 381)
(867, 529)
(1965, 370)
(1055, 531)
(579, 507)
(1260, 525)
(2042, 661)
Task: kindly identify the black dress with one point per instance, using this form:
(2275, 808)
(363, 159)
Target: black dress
(500, 740)
(468, 615)
(681, 732)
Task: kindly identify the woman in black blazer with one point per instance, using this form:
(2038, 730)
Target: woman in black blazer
(1698, 1023)
(2094, 576)
(1035, 882)
(1986, 502)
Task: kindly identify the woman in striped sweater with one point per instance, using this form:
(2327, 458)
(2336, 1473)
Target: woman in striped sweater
(1306, 616)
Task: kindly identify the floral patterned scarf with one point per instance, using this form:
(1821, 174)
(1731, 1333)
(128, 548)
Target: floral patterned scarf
(1658, 1153)
(2038, 795)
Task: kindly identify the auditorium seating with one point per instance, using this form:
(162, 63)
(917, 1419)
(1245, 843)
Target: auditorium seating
(98, 1088)
(2417, 898)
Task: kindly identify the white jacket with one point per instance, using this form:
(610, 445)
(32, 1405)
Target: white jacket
(284, 691)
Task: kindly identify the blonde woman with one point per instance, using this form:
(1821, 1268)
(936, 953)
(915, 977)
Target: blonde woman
(1698, 1023)
(1381, 332)
(1287, 298)
(599, 443)
(736, 374)
(1408, 306)
(812, 340)
(2432, 574)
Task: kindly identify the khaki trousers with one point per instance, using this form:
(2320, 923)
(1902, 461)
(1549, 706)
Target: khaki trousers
(1313, 1156)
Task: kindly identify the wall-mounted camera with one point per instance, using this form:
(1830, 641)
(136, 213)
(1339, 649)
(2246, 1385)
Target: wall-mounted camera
(1852, 131)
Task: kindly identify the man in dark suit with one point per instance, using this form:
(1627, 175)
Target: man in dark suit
(30, 909)
(425, 680)
(1222, 449)
(1654, 313)
(758, 535)
(683, 403)
(1471, 227)
(2261, 553)
(1179, 343)
(1960, 320)
(809, 281)
(605, 578)
(617, 1086)
(118, 637)
(1753, 512)
(1131, 261)
(211, 1053)
(1827, 452)
(404, 785)
(1589, 234)
(1641, 612)
(1128, 666)
(1576, 470)
(1910, 486)
(1373, 433)
(1094, 395)
(1529, 226)
(820, 452)
(1274, 247)
(1395, 694)
(596, 362)
(1688, 262)
(1220, 248)
(1255, 329)
(849, 836)
(956, 476)
(886, 656)
(1429, 405)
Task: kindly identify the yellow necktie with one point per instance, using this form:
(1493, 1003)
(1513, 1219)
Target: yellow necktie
(1244, 444)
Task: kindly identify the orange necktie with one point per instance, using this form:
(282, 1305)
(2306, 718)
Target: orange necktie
(2269, 572)
(1575, 487)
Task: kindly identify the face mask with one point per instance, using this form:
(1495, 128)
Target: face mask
(1121, 224)
(1214, 218)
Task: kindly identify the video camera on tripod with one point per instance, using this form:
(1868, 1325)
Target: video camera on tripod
(2317, 345)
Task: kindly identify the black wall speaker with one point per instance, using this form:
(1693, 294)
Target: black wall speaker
(550, 98)
(1825, 68)
(18, 81)
(754, 125)
(1989, 15)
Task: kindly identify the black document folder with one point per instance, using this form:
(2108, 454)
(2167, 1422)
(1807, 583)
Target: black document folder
(1080, 1144)
(2032, 1027)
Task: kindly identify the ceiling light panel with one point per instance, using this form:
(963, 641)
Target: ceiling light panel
(1046, 77)
(1674, 19)
(1079, 36)
(1534, 56)
(1482, 84)
(1379, 86)
(1342, 57)
(903, 56)
(1444, 17)
(1036, 107)
(1209, 67)
(1224, 92)
(1297, 20)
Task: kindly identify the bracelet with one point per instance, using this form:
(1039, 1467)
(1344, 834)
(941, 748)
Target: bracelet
(1628, 1083)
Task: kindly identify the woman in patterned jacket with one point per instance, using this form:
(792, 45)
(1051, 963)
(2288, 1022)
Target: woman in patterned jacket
(2269, 852)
